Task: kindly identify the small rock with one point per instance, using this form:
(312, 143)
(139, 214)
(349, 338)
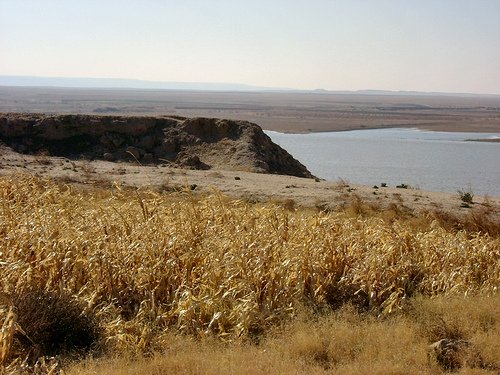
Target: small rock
(237, 178)
(148, 143)
(108, 156)
(169, 146)
(191, 161)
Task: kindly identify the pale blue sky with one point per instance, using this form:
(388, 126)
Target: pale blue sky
(425, 45)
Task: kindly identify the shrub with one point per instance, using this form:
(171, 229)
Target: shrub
(53, 324)
(466, 196)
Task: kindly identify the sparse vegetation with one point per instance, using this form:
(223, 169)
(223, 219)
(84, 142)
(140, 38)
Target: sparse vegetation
(340, 292)
(466, 196)
(342, 183)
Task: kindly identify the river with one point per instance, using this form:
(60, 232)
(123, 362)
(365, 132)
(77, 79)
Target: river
(436, 161)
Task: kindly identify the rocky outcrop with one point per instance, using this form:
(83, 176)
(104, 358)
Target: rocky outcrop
(196, 143)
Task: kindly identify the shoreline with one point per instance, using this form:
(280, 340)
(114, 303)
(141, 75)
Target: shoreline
(358, 156)
(253, 187)
(491, 140)
(464, 129)
(486, 140)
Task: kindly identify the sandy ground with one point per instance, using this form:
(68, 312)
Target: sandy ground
(245, 185)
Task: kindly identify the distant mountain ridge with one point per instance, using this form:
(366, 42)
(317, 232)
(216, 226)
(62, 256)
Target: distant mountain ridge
(124, 83)
(121, 83)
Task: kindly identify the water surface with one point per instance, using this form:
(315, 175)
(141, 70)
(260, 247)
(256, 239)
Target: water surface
(436, 161)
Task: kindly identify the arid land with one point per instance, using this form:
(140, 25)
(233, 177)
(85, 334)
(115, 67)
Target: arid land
(289, 112)
(284, 112)
(294, 275)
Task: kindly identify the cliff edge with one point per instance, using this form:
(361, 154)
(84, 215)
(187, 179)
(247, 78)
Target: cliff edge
(195, 143)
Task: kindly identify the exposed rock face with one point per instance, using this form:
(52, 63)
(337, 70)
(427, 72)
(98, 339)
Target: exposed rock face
(198, 143)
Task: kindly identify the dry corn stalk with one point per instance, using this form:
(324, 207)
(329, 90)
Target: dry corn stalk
(7, 335)
(146, 262)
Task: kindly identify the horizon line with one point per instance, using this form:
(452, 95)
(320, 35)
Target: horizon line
(143, 84)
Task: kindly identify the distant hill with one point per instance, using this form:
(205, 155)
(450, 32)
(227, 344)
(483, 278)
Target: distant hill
(121, 83)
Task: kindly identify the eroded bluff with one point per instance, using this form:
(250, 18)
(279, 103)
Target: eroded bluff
(197, 143)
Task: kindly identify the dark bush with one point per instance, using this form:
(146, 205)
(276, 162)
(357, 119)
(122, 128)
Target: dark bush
(54, 324)
(339, 294)
(466, 196)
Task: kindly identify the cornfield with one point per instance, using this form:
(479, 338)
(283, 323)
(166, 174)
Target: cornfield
(147, 263)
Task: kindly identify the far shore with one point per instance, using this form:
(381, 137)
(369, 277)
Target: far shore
(460, 128)
(494, 140)
(282, 112)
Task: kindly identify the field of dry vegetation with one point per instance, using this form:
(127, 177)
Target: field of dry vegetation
(131, 281)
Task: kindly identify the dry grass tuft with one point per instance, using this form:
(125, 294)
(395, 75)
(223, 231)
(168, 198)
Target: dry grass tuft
(482, 219)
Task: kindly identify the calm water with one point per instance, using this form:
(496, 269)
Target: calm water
(437, 161)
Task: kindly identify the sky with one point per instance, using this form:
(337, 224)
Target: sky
(425, 45)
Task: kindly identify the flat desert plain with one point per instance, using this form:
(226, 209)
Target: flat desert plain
(288, 112)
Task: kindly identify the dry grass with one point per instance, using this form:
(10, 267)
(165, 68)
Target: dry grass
(160, 270)
(341, 342)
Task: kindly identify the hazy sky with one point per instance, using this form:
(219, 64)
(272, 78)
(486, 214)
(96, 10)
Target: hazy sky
(425, 45)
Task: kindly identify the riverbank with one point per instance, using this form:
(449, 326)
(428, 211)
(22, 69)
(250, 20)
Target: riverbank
(494, 140)
(342, 127)
(253, 187)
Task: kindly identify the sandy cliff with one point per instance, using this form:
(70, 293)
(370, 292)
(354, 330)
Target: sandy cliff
(195, 143)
